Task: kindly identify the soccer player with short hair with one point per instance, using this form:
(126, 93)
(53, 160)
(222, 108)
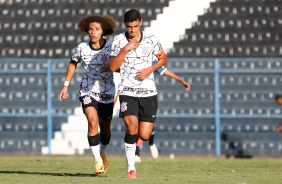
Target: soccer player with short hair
(97, 87)
(133, 53)
(278, 99)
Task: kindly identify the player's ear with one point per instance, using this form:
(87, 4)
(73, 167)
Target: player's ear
(141, 21)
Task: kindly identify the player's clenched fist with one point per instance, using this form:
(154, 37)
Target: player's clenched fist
(132, 45)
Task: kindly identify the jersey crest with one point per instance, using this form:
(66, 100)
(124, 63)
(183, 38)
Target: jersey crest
(104, 57)
(145, 50)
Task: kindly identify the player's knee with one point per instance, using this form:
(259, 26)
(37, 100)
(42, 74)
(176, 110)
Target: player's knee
(92, 126)
(144, 137)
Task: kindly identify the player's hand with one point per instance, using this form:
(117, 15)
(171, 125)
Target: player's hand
(132, 45)
(63, 93)
(187, 85)
(144, 73)
(277, 129)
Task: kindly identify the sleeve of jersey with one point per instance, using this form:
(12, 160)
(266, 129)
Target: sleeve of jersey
(115, 48)
(158, 49)
(161, 70)
(76, 57)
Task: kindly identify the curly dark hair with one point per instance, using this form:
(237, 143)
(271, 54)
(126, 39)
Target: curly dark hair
(108, 24)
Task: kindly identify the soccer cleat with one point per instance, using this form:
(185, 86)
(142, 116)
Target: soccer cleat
(105, 162)
(137, 159)
(154, 151)
(131, 174)
(139, 141)
(99, 167)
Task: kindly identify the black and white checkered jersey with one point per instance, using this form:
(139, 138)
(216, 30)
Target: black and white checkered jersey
(96, 82)
(135, 60)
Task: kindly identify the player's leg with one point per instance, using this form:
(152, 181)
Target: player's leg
(94, 138)
(145, 130)
(89, 106)
(131, 126)
(129, 112)
(105, 112)
(152, 145)
(137, 154)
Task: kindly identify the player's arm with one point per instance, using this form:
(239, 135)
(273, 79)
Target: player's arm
(116, 98)
(116, 62)
(146, 72)
(278, 127)
(70, 71)
(173, 75)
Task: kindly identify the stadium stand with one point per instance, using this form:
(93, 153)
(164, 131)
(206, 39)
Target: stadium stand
(228, 28)
(231, 28)
(47, 29)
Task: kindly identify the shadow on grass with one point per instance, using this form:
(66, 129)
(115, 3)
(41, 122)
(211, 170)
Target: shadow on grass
(53, 174)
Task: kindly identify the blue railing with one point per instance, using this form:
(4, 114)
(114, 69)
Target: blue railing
(216, 70)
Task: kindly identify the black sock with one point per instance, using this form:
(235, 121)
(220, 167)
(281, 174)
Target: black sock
(152, 137)
(137, 152)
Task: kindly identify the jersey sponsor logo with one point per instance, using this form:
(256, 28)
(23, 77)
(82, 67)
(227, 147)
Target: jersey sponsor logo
(104, 69)
(103, 96)
(86, 100)
(123, 106)
(136, 90)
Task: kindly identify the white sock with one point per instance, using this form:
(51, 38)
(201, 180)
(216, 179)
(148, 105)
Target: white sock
(103, 148)
(96, 152)
(130, 156)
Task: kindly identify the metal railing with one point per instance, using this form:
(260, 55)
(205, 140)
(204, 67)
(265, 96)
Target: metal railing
(216, 70)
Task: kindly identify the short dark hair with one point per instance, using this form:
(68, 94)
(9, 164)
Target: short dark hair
(132, 15)
(278, 96)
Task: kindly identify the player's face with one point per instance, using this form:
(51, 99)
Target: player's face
(133, 28)
(279, 101)
(95, 32)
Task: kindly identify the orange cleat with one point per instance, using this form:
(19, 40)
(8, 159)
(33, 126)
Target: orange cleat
(131, 174)
(105, 162)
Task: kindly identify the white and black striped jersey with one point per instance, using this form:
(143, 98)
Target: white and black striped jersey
(96, 82)
(135, 60)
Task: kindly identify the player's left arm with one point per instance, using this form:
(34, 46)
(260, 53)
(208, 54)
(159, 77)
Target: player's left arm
(173, 75)
(146, 72)
(278, 127)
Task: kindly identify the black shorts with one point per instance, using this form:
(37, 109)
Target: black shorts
(105, 111)
(145, 108)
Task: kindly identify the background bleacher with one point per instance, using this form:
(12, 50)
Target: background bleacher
(234, 28)
(185, 125)
(48, 28)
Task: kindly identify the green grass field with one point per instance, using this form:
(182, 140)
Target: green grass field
(185, 169)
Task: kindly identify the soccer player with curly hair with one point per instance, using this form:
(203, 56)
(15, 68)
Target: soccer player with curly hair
(97, 87)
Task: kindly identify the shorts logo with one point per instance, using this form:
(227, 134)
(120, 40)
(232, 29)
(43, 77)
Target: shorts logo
(123, 106)
(86, 100)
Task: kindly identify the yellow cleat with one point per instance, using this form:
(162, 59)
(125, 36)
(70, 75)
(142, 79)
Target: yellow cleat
(99, 167)
(105, 162)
